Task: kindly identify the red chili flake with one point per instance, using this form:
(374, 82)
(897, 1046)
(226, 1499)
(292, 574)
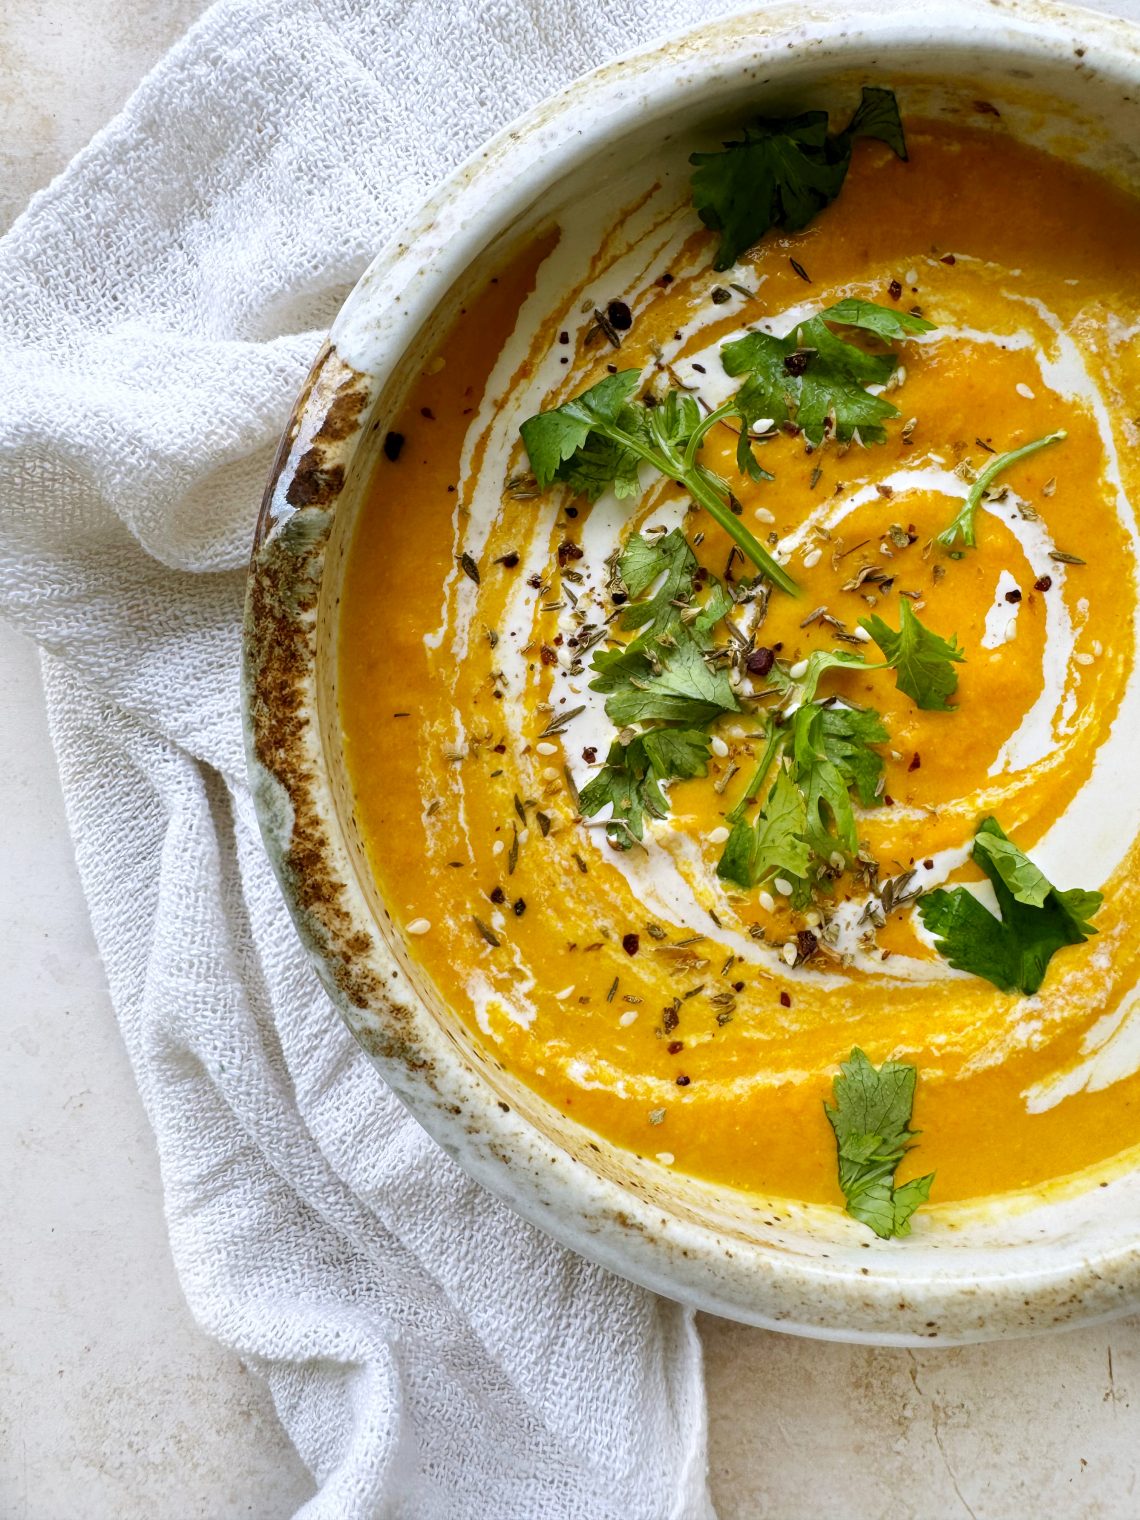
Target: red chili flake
(558, 640)
(589, 754)
(915, 761)
(500, 749)
(620, 316)
(700, 575)
(785, 999)
(738, 986)
(683, 1081)
(1042, 583)
(675, 1047)
(630, 943)
(894, 290)
(928, 863)
(549, 656)
(796, 363)
(563, 337)
(806, 944)
(888, 800)
(498, 895)
(948, 258)
(568, 550)
(664, 280)
(760, 661)
(508, 561)
(1013, 596)
(393, 443)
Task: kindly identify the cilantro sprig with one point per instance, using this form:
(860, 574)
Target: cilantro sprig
(923, 661)
(784, 171)
(871, 1119)
(599, 439)
(964, 525)
(630, 781)
(816, 380)
(1013, 951)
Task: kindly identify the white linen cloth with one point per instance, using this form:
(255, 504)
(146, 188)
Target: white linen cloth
(429, 1354)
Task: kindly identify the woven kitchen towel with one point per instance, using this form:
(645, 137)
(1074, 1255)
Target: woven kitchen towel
(429, 1354)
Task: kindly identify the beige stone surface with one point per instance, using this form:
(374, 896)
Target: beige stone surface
(113, 1404)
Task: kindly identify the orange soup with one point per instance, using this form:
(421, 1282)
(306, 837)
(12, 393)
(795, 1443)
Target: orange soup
(693, 1012)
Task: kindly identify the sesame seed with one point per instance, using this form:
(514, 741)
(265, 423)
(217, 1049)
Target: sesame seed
(911, 276)
(813, 558)
(798, 670)
(546, 748)
(763, 515)
(790, 952)
(549, 773)
(628, 1017)
(718, 835)
(767, 902)
(718, 746)
(1023, 390)
(419, 926)
(666, 1158)
(1083, 659)
(497, 847)
(564, 994)
(783, 886)
(861, 634)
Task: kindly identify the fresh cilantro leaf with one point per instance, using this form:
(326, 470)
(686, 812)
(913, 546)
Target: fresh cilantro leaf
(784, 171)
(774, 845)
(964, 525)
(923, 660)
(553, 438)
(814, 379)
(830, 817)
(819, 662)
(662, 675)
(1013, 951)
(871, 1120)
(597, 441)
(630, 781)
(847, 734)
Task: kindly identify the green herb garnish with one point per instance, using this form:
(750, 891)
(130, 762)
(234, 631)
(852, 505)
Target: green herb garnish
(631, 779)
(923, 660)
(1036, 921)
(871, 1120)
(963, 525)
(598, 440)
(774, 845)
(784, 171)
(815, 380)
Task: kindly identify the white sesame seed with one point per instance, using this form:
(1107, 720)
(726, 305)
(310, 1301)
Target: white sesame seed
(666, 1158)
(861, 634)
(837, 860)
(790, 952)
(900, 374)
(549, 773)
(564, 994)
(524, 835)
(812, 558)
(498, 847)
(419, 926)
(767, 902)
(1098, 647)
(1023, 390)
(1083, 659)
(628, 1017)
(911, 276)
(546, 748)
(798, 670)
(718, 746)
(783, 886)
(812, 919)
(763, 515)
(1010, 631)
(718, 835)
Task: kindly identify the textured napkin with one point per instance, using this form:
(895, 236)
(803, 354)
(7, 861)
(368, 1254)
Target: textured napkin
(429, 1354)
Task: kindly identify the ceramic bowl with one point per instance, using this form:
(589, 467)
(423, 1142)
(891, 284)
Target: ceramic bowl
(992, 1268)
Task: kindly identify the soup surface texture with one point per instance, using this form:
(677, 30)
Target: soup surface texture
(678, 1013)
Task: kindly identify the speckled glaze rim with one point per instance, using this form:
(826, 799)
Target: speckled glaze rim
(971, 1273)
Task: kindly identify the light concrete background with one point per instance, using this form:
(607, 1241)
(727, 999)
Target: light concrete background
(113, 1404)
